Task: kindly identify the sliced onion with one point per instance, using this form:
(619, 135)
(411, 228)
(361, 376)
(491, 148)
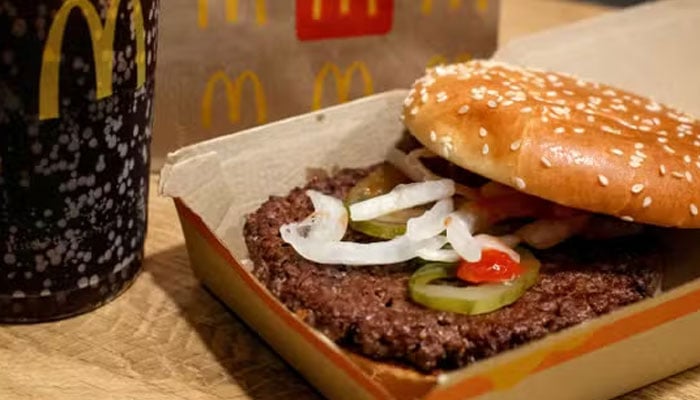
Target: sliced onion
(459, 233)
(350, 253)
(435, 252)
(329, 221)
(409, 166)
(439, 255)
(496, 243)
(402, 197)
(432, 222)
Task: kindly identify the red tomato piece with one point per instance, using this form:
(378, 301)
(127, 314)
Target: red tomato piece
(494, 266)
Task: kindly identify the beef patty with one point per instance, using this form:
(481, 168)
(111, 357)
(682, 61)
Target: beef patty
(367, 309)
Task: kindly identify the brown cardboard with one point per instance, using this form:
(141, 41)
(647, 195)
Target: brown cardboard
(226, 65)
(217, 182)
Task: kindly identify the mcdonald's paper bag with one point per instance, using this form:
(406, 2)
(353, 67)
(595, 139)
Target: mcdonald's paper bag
(225, 65)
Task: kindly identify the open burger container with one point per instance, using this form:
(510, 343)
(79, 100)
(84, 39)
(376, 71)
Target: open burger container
(216, 183)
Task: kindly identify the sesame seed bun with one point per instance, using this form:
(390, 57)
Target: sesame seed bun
(580, 144)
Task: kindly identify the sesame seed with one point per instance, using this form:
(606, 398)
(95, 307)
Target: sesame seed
(637, 188)
(696, 143)
(545, 119)
(644, 128)
(463, 110)
(433, 136)
(485, 149)
(507, 103)
(669, 149)
(492, 104)
(546, 162)
(688, 176)
(662, 169)
(653, 107)
(612, 130)
(551, 93)
(678, 175)
(609, 92)
(662, 133)
(627, 218)
(603, 180)
(441, 96)
(687, 159)
(559, 130)
(526, 109)
(579, 130)
(646, 202)
(639, 146)
(414, 111)
(693, 209)
(590, 118)
(519, 182)
(515, 145)
(483, 132)
(697, 164)
(424, 97)
(635, 163)
(617, 152)
(662, 139)
(568, 92)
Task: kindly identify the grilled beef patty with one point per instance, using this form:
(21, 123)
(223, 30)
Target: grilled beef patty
(367, 309)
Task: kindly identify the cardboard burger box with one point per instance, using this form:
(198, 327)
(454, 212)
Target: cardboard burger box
(216, 183)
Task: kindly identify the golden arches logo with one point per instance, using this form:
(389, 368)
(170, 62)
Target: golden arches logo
(343, 80)
(102, 37)
(233, 96)
(480, 5)
(231, 12)
(439, 59)
(317, 8)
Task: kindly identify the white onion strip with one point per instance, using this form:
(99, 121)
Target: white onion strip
(432, 222)
(402, 197)
(329, 221)
(434, 251)
(350, 253)
(459, 233)
(410, 167)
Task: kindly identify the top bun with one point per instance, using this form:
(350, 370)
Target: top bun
(580, 144)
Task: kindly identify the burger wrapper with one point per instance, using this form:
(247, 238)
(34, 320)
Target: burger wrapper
(216, 183)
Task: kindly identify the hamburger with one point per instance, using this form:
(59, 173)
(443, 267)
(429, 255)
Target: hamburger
(520, 203)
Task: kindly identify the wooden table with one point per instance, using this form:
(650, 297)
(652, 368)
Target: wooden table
(167, 338)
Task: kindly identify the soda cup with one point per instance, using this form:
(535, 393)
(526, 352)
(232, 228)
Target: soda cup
(76, 102)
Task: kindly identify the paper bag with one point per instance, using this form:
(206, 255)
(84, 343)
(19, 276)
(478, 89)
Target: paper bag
(225, 65)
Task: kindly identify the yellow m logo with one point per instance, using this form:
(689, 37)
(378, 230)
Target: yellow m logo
(233, 96)
(317, 8)
(102, 37)
(342, 82)
(427, 5)
(231, 12)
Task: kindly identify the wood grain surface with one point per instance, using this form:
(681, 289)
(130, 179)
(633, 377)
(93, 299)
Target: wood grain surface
(167, 338)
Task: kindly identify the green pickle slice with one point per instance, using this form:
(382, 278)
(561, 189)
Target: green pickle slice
(471, 300)
(378, 182)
